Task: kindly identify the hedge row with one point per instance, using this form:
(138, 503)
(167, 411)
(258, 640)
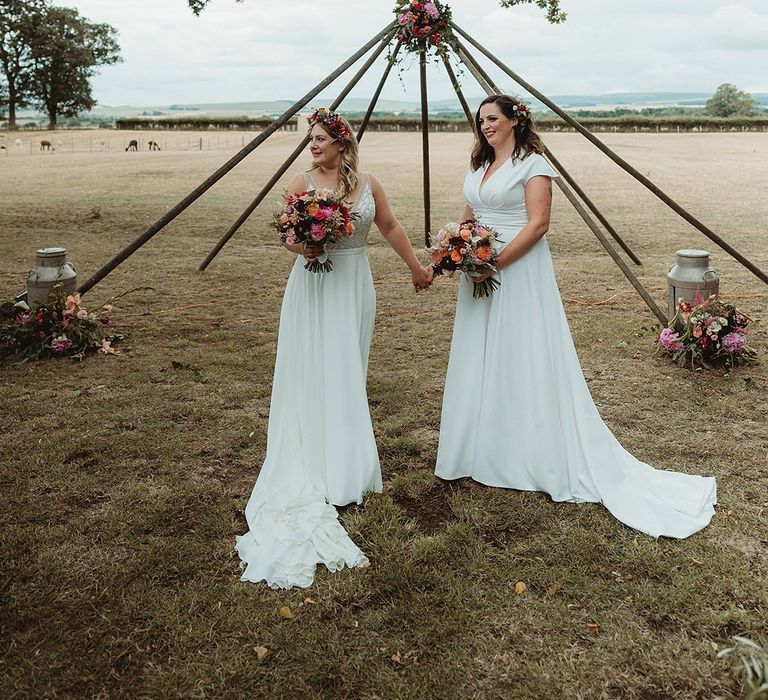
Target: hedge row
(629, 123)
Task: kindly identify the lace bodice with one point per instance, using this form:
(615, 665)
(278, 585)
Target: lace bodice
(364, 207)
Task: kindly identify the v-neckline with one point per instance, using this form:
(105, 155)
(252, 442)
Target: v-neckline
(483, 181)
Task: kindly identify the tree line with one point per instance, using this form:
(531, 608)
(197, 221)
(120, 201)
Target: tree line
(48, 55)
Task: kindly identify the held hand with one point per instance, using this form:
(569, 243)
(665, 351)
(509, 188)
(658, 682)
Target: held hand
(485, 273)
(311, 251)
(421, 278)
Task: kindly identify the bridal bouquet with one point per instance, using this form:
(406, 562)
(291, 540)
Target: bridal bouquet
(470, 248)
(319, 217)
(707, 333)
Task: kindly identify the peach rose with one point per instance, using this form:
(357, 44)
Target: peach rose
(456, 256)
(350, 227)
(466, 234)
(437, 256)
(312, 209)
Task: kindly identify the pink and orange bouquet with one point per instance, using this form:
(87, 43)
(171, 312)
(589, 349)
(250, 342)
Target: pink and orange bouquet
(470, 248)
(318, 217)
(707, 333)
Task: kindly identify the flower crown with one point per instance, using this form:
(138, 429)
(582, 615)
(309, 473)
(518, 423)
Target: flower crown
(331, 121)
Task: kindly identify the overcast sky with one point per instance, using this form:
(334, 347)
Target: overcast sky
(267, 49)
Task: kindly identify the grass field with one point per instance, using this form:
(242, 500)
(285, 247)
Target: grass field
(124, 478)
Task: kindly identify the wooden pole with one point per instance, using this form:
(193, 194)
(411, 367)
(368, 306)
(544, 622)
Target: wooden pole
(229, 165)
(674, 206)
(579, 191)
(571, 197)
(481, 76)
(424, 138)
(558, 166)
(646, 297)
(457, 89)
(291, 158)
(377, 93)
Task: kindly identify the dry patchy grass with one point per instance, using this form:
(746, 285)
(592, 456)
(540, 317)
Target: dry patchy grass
(124, 478)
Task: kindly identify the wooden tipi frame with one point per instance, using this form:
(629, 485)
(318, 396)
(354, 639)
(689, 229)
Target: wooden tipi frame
(568, 186)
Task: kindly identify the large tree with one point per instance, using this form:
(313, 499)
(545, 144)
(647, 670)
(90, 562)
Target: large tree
(19, 23)
(729, 101)
(552, 7)
(67, 52)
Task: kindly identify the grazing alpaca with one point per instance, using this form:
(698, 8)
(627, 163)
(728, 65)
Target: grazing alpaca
(46, 145)
(133, 145)
(153, 146)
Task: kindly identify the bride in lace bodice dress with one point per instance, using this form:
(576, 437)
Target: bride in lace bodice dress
(321, 450)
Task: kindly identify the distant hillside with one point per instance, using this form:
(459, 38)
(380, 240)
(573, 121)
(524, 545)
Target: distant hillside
(632, 100)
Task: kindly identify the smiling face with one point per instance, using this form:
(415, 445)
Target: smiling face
(495, 126)
(325, 150)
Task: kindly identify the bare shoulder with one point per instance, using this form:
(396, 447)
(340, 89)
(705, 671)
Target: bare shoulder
(376, 186)
(297, 184)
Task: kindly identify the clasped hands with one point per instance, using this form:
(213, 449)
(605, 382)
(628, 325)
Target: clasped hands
(421, 277)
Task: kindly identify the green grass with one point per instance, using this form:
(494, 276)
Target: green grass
(124, 478)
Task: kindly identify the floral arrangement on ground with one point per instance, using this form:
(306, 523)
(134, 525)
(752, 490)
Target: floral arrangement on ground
(62, 327)
(707, 333)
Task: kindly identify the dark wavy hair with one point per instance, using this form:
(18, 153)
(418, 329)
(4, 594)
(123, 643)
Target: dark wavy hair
(527, 141)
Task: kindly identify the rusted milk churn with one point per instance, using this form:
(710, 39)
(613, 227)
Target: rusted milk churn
(51, 269)
(690, 273)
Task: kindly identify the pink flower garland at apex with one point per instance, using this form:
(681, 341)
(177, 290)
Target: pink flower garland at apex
(423, 24)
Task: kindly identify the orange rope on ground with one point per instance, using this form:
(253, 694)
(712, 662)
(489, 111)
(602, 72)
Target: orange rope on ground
(588, 302)
(214, 302)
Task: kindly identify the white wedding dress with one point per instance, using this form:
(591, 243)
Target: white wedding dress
(517, 412)
(321, 450)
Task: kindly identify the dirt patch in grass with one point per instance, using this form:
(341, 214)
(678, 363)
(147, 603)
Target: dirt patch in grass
(431, 509)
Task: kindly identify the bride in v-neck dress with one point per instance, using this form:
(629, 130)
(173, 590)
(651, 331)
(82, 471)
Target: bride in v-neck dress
(517, 412)
(321, 450)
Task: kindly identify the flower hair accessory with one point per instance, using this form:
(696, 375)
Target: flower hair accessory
(521, 111)
(331, 121)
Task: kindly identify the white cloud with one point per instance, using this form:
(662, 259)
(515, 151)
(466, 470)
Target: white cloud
(260, 51)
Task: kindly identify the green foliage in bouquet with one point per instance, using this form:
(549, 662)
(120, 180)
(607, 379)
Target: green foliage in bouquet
(62, 327)
(705, 334)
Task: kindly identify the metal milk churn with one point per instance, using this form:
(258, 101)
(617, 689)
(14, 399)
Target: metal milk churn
(51, 269)
(691, 272)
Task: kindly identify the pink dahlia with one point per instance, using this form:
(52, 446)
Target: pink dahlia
(734, 342)
(317, 232)
(668, 338)
(61, 344)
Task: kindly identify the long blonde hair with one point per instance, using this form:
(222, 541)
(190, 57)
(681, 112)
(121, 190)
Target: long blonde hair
(349, 159)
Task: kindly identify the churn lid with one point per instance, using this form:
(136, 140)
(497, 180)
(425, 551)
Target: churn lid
(692, 258)
(692, 253)
(51, 252)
